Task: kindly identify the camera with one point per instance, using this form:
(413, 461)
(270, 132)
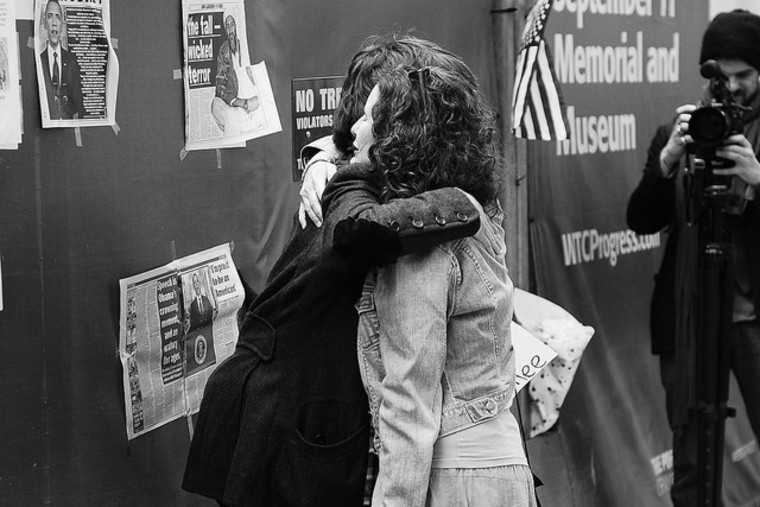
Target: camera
(709, 126)
(712, 123)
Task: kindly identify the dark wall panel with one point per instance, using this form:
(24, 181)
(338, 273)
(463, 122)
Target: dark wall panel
(75, 219)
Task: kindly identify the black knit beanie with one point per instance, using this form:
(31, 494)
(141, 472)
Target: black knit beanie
(733, 35)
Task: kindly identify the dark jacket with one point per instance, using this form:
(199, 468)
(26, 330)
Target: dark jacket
(285, 420)
(651, 209)
(200, 318)
(69, 91)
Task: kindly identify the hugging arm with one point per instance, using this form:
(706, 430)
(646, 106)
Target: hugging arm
(319, 158)
(375, 234)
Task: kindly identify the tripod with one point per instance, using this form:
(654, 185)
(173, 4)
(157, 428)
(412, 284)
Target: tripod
(710, 198)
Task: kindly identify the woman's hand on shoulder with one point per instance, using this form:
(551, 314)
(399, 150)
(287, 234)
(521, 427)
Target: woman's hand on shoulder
(316, 175)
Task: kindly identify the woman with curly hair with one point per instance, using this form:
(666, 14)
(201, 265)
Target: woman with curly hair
(377, 55)
(434, 328)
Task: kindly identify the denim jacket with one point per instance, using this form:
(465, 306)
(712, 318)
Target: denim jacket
(435, 352)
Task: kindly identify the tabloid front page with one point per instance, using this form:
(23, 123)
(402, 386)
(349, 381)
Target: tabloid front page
(227, 100)
(10, 92)
(178, 322)
(77, 68)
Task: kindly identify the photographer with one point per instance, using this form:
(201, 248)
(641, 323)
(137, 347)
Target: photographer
(659, 203)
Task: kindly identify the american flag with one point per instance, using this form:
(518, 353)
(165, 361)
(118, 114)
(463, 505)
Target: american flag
(537, 108)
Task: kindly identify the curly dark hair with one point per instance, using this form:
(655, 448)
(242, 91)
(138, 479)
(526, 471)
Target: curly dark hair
(434, 128)
(377, 55)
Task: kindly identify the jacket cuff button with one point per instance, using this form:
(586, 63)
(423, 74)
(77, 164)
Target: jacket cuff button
(417, 223)
(462, 217)
(394, 225)
(440, 220)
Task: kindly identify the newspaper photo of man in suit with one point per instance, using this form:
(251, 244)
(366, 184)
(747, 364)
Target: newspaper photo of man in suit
(60, 68)
(199, 324)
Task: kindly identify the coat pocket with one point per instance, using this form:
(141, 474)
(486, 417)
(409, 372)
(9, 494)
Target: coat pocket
(326, 461)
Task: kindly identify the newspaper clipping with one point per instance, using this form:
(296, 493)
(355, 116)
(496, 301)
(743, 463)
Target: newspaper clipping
(10, 92)
(77, 69)
(227, 100)
(178, 322)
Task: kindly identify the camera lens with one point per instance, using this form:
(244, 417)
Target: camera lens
(709, 126)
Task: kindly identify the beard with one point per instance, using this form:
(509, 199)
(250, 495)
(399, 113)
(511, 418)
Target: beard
(744, 98)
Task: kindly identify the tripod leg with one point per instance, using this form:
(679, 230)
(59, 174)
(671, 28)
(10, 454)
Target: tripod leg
(713, 361)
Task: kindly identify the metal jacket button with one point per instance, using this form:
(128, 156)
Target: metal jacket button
(440, 220)
(462, 217)
(417, 223)
(394, 225)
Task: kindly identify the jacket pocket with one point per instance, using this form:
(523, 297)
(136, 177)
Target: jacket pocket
(326, 426)
(326, 461)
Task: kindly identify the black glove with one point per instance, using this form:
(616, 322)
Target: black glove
(365, 244)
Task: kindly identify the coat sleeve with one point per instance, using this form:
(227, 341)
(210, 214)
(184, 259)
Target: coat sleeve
(379, 233)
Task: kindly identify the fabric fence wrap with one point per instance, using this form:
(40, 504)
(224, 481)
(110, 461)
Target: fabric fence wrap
(619, 82)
